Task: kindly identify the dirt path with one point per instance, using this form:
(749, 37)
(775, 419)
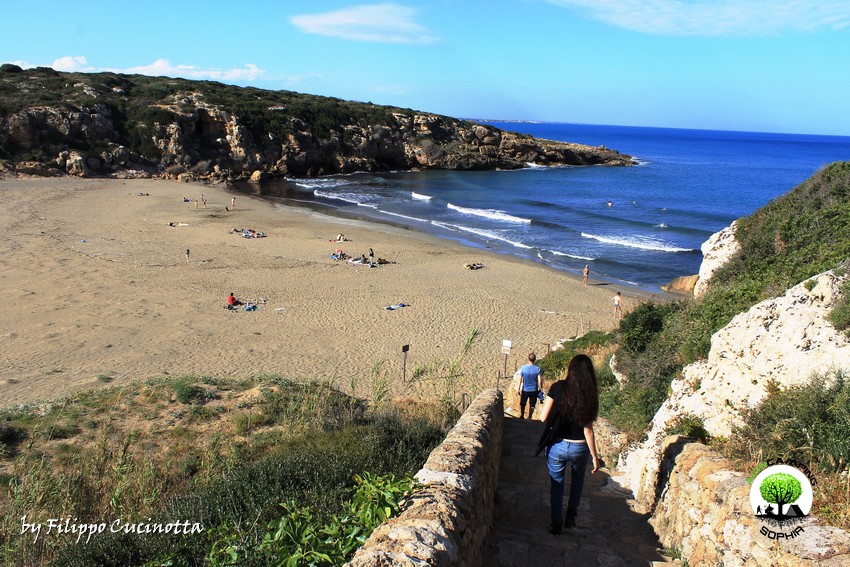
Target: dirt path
(609, 532)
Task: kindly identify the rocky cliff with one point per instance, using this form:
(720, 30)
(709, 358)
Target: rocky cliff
(105, 124)
(716, 251)
(782, 341)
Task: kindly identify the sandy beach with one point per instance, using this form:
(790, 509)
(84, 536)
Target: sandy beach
(100, 291)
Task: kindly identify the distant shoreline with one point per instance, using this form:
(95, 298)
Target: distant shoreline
(332, 211)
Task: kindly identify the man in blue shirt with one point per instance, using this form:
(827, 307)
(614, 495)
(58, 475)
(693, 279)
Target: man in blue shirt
(531, 384)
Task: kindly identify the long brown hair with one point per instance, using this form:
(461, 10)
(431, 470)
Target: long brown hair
(580, 402)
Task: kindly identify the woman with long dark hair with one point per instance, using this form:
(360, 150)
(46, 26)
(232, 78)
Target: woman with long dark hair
(569, 410)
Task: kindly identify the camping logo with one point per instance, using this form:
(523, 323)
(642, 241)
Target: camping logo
(781, 496)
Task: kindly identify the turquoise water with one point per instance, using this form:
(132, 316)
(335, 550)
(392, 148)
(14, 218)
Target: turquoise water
(689, 184)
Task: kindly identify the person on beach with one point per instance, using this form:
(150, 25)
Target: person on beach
(233, 203)
(371, 257)
(204, 201)
(187, 255)
(530, 385)
(232, 302)
(586, 273)
(617, 302)
(569, 410)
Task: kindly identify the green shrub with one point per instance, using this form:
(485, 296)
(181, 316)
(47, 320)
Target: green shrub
(555, 364)
(690, 426)
(317, 467)
(649, 375)
(299, 538)
(807, 423)
(840, 314)
(640, 326)
(62, 430)
(246, 422)
(187, 392)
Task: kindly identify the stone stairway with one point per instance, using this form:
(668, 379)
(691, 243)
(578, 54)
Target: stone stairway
(609, 532)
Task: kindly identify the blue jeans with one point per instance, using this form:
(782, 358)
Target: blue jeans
(558, 456)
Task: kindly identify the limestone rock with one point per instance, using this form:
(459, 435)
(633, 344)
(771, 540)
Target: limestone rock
(716, 251)
(786, 340)
(77, 165)
(195, 135)
(682, 284)
(258, 176)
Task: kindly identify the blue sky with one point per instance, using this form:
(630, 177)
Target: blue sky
(756, 65)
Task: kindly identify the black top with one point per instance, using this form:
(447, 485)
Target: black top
(557, 426)
(562, 427)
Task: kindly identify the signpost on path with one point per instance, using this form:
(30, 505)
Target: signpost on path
(404, 349)
(506, 350)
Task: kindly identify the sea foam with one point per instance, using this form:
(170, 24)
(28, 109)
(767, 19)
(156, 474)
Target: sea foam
(489, 213)
(641, 242)
(489, 234)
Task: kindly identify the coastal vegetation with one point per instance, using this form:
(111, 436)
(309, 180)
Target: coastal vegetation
(793, 238)
(271, 469)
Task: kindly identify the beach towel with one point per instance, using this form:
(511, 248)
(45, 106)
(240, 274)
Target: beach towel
(395, 306)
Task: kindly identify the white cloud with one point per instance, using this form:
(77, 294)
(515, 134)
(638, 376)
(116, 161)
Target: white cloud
(383, 23)
(160, 67)
(72, 64)
(715, 17)
(163, 67)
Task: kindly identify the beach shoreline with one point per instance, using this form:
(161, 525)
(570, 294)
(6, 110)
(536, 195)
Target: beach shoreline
(368, 218)
(102, 291)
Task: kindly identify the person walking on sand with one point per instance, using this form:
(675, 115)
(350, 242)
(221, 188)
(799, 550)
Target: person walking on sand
(371, 257)
(187, 255)
(586, 273)
(530, 386)
(617, 302)
(233, 203)
(569, 410)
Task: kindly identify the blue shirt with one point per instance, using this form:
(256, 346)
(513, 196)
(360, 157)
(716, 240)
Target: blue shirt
(530, 373)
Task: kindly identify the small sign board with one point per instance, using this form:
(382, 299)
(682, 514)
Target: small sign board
(405, 348)
(506, 346)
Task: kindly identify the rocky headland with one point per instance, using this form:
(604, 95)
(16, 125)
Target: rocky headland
(125, 126)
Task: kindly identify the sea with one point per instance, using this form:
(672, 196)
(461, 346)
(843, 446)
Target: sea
(638, 226)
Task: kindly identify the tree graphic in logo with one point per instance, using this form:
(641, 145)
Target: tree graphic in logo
(781, 489)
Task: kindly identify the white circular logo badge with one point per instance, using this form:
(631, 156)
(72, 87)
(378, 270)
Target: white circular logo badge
(781, 493)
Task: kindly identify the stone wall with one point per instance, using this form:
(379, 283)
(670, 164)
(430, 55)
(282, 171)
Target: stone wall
(704, 511)
(446, 522)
